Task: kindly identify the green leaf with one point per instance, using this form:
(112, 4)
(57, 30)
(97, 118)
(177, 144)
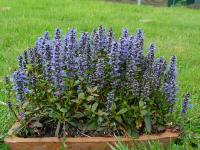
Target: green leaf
(78, 115)
(122, 111)
(134, 133)
(96, 95)
(29, 67)
(64, 110)
(101, 113)
(77, 82)
(144, 113)
(90, 98)
(141, 104)
(100, 119)
(92, 126)
(49, 90)
(118, 119)
(72, 123)
(2, 136)
(3, 103)
(81, 96)
(92, 90)
(57, 129)
(147, 120)
(94, 106)
(58, 105)
(28, 113)
(25, 105)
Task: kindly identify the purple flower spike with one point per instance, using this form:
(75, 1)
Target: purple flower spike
(26, 57)
(102, 38)
(150, 56)
(159, 69)
(72, 40)
(170, 85)
(46, 41)
(100, 75)
(123, 46)
(58, 68)
(140, 39)
(114, 63)
(131, 62)
(82, 66)
(159, 66)
(70, 53)
(20, 62)
(49, 58)
(95, 43)
(40, 51)
(32, 56)
(125, 34)
(170, 90)
(114, 60)
(172, 71)
(20, 80)
(110, 38)
(57, 37)
(46, 36)
(83, 43)
(139, 45)
(185, 104)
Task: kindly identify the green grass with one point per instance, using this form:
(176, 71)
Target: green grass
(174, 30)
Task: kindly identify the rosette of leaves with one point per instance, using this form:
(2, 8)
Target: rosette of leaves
(92, 86)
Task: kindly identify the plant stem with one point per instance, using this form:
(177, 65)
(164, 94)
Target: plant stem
(57, 129)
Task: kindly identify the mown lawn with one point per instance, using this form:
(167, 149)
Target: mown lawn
(174, 30)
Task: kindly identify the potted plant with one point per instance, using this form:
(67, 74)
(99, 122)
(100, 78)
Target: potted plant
(84, 93)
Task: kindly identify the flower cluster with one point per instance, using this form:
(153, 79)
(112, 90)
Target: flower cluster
(97, 80)
(20, 80)
(114, 62)
(185, 104)
(170, 83)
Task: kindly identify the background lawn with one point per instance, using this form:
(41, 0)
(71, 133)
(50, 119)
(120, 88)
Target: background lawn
(174, 30)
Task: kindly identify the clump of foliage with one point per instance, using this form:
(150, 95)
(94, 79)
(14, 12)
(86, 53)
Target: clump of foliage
(92, 86)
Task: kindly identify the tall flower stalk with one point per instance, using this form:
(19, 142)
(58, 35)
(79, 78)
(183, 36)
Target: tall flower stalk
(59, 73)
(100, 74)
(20, 80)
(170, 84)
(71, 53)
(185, 104)
(114, 62)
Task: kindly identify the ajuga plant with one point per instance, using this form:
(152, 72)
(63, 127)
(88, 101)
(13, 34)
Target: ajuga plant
(94, 85)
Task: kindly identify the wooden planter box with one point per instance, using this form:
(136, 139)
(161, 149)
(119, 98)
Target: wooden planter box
(81, 143)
